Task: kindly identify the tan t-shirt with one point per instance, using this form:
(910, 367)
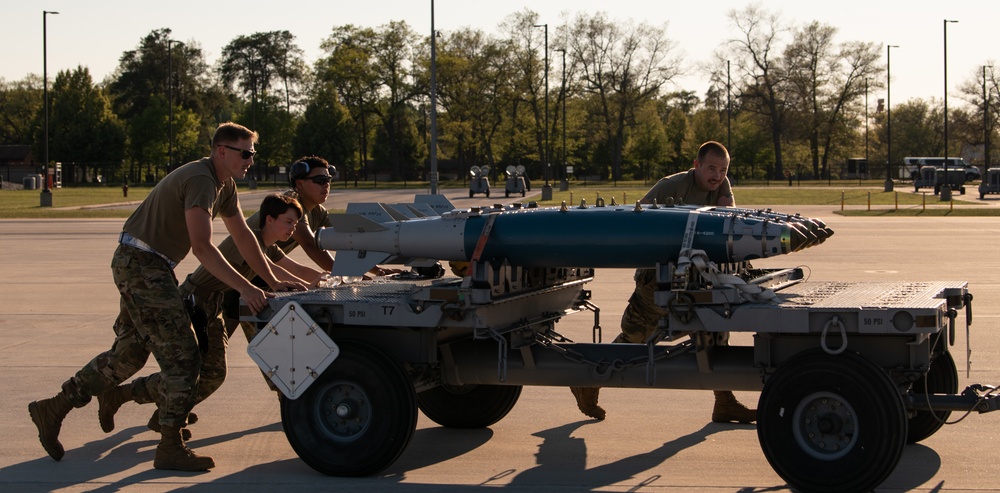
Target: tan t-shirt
(683, 186)
(159, 220)
(317, 218)
(202, 282)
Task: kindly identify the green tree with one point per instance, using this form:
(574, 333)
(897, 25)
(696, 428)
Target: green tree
(20, 103)
(348, 66)
(82, 128)
(827, 83)
(327, 130)
(475, 93)
(761, 74)
(648, 147)
(253, 65)
(160, 70)
(622, 66)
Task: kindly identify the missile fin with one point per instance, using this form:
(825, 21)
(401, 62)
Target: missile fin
(412, 212)
(356, 262)
(422, 210)
(354, 223)
(376, 212)
(439, 203)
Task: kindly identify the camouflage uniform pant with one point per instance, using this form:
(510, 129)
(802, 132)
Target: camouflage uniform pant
(149, 389)
(642, 315)
(152, 318)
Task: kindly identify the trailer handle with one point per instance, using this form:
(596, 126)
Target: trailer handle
(835, 320)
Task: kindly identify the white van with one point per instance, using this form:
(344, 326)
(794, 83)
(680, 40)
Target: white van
(911, 166)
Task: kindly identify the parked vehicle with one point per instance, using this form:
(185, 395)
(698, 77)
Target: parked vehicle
(990, 184)
(912, 165)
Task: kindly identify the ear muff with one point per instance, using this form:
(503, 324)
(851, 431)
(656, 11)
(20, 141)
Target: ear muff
(297, 171)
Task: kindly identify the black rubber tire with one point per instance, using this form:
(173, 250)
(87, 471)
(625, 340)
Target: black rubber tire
(831, 423)
(378, 404)
(941, 378)
(468, 406)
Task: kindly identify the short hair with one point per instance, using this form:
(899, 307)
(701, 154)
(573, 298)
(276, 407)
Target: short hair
(304, 165)
(712, 147)
(276, 204)
(231, 132)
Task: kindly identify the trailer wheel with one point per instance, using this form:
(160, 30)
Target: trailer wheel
(941, 378)
(468, 406)
(831, 423)
(357, 418)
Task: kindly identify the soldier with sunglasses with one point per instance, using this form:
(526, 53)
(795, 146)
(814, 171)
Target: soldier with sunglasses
(174, 219)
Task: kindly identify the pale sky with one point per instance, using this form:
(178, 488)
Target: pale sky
(96, 33)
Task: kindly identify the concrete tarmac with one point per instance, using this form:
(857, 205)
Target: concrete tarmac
(58, 305)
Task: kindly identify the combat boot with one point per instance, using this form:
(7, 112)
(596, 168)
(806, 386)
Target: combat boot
(172, 454)
(48, 415)
(728, 409)
(108, 404)
(154, 424)
(586, 400)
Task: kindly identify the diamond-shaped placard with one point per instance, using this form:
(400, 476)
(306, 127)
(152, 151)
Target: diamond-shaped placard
(292, 350)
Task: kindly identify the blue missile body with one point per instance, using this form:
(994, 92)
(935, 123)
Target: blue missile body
(609, 237)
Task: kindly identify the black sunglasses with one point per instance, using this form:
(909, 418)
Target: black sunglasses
(244, 153)
(321, 179)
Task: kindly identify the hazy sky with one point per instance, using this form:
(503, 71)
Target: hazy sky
(96, 33)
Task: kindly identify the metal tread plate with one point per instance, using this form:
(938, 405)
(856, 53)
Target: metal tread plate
(855, 295)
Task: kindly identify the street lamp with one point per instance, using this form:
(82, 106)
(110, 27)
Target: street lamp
(946, 187)
(729, 117)
(888, 177)
(546, 189)
(888, 116)
(433, 149)
(986, 124)
(562, 91)
(46, 196)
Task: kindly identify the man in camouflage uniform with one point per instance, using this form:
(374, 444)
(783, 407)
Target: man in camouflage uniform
(175, 218)
(704, 184)
(278, 216)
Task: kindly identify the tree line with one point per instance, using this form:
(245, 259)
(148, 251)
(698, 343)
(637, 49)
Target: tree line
(594, 93)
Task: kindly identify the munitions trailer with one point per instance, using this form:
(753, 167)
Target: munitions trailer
(849, 373)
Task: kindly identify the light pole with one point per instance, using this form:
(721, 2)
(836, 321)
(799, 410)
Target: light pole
(46, 196)
(888, 116)
(888, 178)
(433, 150)
(729, 117)
(986, 125)
(546, 189)
(562, 90)
(946, 186)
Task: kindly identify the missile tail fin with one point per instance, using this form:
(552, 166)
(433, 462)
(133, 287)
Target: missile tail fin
(377, 212)
(354, 223)
(356, 263)
(439, 203)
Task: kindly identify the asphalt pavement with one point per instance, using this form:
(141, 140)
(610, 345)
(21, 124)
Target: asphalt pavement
(58, 305)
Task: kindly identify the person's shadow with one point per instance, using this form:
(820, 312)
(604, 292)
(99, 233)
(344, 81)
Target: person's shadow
(562, 459)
